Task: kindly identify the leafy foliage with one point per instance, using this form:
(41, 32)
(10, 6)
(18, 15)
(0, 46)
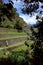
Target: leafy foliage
(38, 44)
(27, 1)
(30, 6)
(9, 17)
(19, 24)
(15, 58)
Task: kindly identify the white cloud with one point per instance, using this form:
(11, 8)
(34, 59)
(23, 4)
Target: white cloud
(27, 18)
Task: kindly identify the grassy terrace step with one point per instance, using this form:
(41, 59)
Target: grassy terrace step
(6, 33)
(16, 46)
(12, 41)
(12, 46)
(9, 35)
(18, 49)
(13, 37)
(7, 30)
(12, 33)
(20, 46)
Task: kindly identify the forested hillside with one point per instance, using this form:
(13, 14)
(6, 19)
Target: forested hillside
(9, 18)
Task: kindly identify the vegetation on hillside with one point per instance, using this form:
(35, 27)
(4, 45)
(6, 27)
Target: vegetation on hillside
(9, 17)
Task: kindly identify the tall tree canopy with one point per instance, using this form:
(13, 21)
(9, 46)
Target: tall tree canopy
(37, 32)
(6, 9)
(31, 6)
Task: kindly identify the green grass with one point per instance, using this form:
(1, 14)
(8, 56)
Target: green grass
(17, 49)
(2, 50)
(12, 46)
(22, 48)
(13, 37)
(30, 42)
(1, 54)
(12, 32)
(18, 44)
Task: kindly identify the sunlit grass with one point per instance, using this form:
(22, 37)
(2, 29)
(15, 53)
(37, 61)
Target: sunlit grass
(30, 42)
(12, 33)
(16, 47)
(13, 46)
(13, 37)
(22, 48)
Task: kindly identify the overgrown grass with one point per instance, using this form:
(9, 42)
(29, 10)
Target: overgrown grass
(12, 46)
(22, 48)
(12, 32)
(13, 37)
(2, 52)
(16, 47)
(30, 42)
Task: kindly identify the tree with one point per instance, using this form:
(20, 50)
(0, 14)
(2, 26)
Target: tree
(19, 25)
(37, 36)
(27, 1)
(6, 10)
(29, 7)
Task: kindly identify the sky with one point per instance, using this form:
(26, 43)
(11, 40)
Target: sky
(5, 1)
(26, 17)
